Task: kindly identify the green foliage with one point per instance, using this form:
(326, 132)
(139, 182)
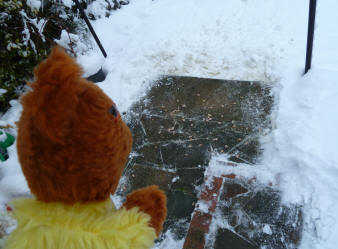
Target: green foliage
(27, 36)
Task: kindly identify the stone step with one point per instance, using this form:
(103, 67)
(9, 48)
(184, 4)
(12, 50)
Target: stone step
(177, 127)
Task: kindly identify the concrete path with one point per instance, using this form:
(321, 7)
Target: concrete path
(177, 127)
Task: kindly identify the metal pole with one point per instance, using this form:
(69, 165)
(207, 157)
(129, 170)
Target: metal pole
(310, 34)
(90, 27)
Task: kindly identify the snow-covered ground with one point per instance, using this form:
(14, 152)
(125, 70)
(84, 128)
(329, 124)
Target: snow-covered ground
(233, 39)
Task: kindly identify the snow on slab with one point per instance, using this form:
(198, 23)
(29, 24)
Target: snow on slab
(169, 242)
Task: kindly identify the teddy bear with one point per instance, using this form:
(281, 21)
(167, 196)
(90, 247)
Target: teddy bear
(73, 146)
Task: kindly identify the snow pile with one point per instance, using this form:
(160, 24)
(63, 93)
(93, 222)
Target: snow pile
(302, 154)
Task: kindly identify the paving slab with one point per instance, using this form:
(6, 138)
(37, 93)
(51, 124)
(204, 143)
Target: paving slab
(226, 239)
(256, 214)
(177, 127)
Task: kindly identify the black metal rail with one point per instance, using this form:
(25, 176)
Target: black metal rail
(310, 34)
(78, 5)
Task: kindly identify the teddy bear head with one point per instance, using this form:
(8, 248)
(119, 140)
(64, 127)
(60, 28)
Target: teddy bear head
(72, 143)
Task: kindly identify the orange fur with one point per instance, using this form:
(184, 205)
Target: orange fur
(70, 147)
(152, 201)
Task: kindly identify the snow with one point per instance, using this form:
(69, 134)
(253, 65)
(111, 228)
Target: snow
(150, 38)
(303, 152)
(245, 40)
(3, 137)
(175, 179)
(2, 91)
(12, 115)
(169, 242)
(34, 4)
(267, 229)
(68, 3)
(14, 183)
(203, 206)
(98, 8)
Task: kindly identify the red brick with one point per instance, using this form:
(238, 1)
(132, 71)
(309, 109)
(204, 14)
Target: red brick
(251, 180)
(231, 164)
(232, 190)
(200, 222)
(199, 226)
(210, 195)
(231, 176)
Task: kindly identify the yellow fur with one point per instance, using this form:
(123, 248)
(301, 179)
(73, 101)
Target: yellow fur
(80, 226)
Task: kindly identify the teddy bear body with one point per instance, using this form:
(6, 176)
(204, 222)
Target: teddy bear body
(79, 226)
(72, 147)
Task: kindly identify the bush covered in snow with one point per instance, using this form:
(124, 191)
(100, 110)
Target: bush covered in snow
(29, 28)
(27, 33)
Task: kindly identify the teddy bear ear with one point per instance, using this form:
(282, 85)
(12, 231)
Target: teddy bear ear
(54, 95)
(57, 69)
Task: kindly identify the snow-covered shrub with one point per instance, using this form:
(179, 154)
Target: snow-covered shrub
(27, 32)
(29, 28)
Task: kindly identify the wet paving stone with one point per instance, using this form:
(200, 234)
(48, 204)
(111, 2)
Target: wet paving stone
(233, 190)
(176, 128)
(185, 154)
(180, 204)
(267, 213)
(226, 239)
(188, 179)
(257, 216)
(142, 176)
